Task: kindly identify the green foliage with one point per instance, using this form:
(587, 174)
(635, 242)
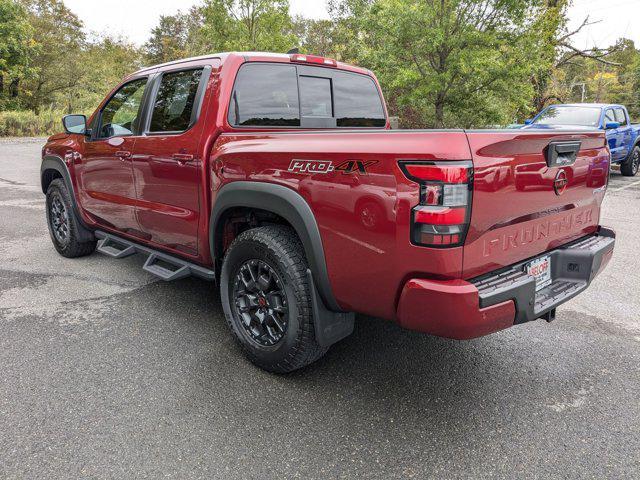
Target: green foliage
(634, 81)
(67, 71)
(451, 63)
(16, 48)
(548, 31)
(246, 25)
(172, 38)
(57, 60)
(105, 62)
(617, 81)
(317, 37)
(28, 124)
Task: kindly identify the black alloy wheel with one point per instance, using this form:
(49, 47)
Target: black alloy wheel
(635, 162)
(260, 302)
(59, 219)
(630, 167)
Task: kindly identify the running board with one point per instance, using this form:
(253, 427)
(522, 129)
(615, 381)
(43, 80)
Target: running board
(162, 265)
(115, 248)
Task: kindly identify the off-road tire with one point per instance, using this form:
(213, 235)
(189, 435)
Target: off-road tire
(71, 247)
(629, 168)
(279, 248)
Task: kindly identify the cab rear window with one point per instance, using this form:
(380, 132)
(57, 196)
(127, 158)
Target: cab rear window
(280, 95)
(357, 101)
(265, 95)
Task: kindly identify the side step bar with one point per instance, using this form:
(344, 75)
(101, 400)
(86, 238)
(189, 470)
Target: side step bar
(162, 265)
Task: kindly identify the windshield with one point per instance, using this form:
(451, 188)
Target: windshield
(584, 116)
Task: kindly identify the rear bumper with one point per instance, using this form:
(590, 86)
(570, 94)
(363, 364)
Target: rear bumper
(463, 309)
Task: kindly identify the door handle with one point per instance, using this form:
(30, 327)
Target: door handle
(123, 154)
(182, 157)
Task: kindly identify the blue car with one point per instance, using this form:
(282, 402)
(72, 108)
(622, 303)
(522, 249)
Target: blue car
(623, 137)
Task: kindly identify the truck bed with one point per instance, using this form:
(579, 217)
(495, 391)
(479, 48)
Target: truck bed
(362, 200)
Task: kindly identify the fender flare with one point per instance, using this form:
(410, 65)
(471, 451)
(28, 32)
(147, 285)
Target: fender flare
(54, 162)
(635, 144)
(291, 206)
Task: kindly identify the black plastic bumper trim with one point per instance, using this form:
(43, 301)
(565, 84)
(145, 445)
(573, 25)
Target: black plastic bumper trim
(573, 268)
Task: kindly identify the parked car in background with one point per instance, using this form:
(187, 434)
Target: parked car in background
(622, 136)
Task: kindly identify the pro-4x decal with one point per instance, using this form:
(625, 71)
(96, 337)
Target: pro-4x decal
(310, 166)
(326, 166)
(353, 166)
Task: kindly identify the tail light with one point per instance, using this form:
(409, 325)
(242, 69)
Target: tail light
(441, 219)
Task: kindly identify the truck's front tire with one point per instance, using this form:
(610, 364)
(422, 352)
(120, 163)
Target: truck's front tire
(629, 168)
(266, 299)
(63, 224)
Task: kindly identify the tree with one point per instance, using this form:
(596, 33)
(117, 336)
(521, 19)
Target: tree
(317, 37)
(560, 55)
(448, 62)
(105, 61)
(16, 48)
(171, 38)
(245, 25)
(627, 57)
(605, 75)
(57, 60)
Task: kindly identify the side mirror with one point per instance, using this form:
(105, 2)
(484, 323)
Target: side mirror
(528, 121)
(611, 125)
(75, 124)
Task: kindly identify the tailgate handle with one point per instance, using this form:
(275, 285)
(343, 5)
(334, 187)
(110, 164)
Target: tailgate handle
(561, 154)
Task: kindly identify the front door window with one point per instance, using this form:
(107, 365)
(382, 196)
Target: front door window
(121, 115)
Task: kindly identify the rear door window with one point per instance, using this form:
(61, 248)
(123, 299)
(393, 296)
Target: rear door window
(609, 117)
(173, 108)
(621, 118)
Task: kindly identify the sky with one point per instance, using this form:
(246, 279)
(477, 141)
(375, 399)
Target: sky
(134, 19)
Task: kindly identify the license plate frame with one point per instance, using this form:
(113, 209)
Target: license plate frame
(540, 270)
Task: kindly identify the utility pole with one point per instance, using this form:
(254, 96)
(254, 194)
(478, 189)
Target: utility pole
(584, 89)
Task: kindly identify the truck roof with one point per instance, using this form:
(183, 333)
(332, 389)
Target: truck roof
(248, 57)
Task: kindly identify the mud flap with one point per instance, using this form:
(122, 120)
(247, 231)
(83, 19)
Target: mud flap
(330, 327)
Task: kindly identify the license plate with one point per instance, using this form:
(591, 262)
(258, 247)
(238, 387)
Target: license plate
(540, 269)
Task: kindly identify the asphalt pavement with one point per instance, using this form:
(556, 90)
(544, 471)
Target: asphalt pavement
(106, 372)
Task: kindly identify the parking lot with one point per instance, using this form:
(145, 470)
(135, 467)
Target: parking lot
(107, 372)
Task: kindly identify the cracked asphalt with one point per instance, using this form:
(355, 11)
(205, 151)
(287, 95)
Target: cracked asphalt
(108, 373)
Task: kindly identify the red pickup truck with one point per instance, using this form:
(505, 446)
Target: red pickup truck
(278, 177)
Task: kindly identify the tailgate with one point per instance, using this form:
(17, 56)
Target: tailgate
(527, 201)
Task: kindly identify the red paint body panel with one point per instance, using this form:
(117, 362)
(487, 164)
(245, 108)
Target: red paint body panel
(516, 213)
(384, 255)
(364, 219)
(450, 309)
(106, 187)
(170, 180)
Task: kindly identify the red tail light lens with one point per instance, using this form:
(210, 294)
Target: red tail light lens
(441, 219)
(438, 173)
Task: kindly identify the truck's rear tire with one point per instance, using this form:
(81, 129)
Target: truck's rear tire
(63, 224)
(629, 168)
(266, 299)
